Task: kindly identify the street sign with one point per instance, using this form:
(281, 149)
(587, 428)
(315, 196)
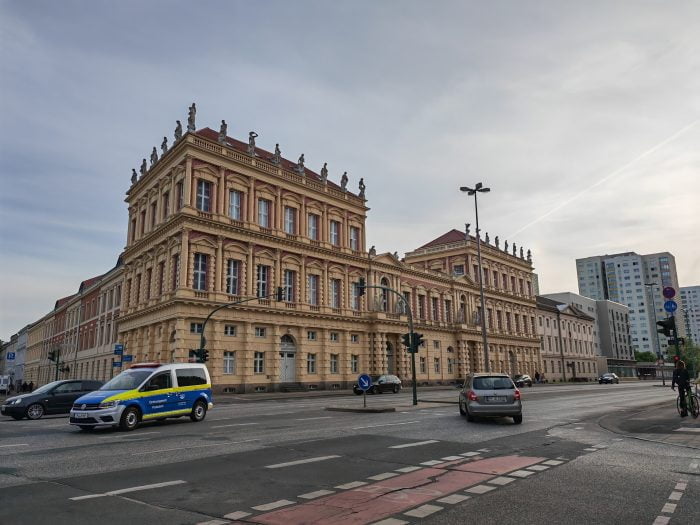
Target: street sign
(127, 358)
(670, 306)
(118, 349)
(364, 382)
(669, 292)
(10, 356)
(117, 364)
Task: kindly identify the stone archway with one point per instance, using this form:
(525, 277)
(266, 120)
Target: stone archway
(288, 368)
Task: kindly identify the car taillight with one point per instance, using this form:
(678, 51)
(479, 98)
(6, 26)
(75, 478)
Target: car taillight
(472, 396)
(516, 395)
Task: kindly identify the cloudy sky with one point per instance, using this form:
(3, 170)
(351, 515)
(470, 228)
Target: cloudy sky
(582, 117)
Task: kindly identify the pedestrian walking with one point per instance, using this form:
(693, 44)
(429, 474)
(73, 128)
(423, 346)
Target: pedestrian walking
(537, 377)
(31, 386)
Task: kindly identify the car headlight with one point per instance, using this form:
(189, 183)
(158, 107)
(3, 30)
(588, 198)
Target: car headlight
(109, 404)
(15, 402)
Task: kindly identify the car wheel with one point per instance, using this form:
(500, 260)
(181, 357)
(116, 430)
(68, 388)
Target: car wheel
(470, 418)
(600, 382)
(357, 391)
(199, 411)
(396, 389)
(130, 419)
(518, 419)
(17, 417)
(87, 428)
(461, 409)
(375, 389)
(35, 411)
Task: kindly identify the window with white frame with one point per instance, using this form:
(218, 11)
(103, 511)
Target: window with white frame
(354, 238)
(313, 221)
(354, 363)
(450, 365)
(203, 195)
(166, 204)
(259, 362)
(423, 368)
(229, 362)
(313, 281)
(355, 296)
(335, 293)
(233, 270)
(260, 331)
(199, 281)
(334, 337)
(180, 194)
(458, 269)
(311, 335)
(196, 328)
(263, 288)
(289, 279)
(436, 344)
(354, 338)
(290, 220)
(234, 204)
(230, 329)
(334, 363)
(435, 311)
(334, 232)
(264, 213)
(436, 362)
(311, 363)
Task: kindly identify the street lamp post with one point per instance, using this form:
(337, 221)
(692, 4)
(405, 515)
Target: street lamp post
(479, 188)
(656, 338)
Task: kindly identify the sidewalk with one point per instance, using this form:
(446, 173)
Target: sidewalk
(660, 423)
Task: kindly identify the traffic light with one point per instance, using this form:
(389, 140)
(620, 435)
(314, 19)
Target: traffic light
(280, 294)
(666, 326)
(417, 341)
(676, 358)
(203, 355)
(52, 355)
(361, 286)
(406, 340)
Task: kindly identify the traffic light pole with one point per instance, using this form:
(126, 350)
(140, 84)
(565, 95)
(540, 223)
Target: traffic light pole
(658, 344)
(202, 339)
(410, 330)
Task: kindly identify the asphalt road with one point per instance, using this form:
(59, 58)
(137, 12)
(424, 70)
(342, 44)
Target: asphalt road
(292, 461)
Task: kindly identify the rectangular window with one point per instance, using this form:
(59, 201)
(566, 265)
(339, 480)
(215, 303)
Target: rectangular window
(354, 238)
(161, 281)
(230, 329)
(180, 195)
(434, 314)
(260, 332)
(259, 362)
(311, 363)
(290, 220)
(229, 363)
(166, 204)
(335, 293)
(334, 233)
(495, 280)
(458, 270)
(149, 278)
(176, 271)
(436, 362)
(423, 367)
(436, 344)
(448, 311)
(196, 328)
(313, 226)
(154, 216)
(143, 222)
(313, 288)
(234, 204)
(450, 365)
(311, 335)
(508, 321)
(355, 296)
(233, 269)
(354, 363)
(138, 289)
(334, 363)
(199, 281)
(421, 306)
(204, 195)
(288, 286)
(334, 337)
(264, 213)
(354, 338)
(263, 288)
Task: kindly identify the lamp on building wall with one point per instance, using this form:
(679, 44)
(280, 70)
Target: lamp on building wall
(479, 188)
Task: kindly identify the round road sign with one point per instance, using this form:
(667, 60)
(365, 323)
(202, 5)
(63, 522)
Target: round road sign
(670, 306)
(669, 292)
(364, 382)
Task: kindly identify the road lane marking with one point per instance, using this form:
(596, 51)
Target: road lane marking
(223, 443)
(235, 425)
(16, 445)
(423, 511)
(501, 480)
(406, 470)
(521, 473)
(130, 489)
(552, 462)
(669, 508)
(675, 496)
(237, 515)
(470, 454)
(681, 486)
(351, 485)
(317, 494)
(390, 521)
(453, 499)
(274, 505)
(416, 444)
(312, 418)
(386, 425)
(538, 468)
(128, 435)
(432, 463)
(480, 489)
(687, 429)
(452, 458)
(301, 461)
(213, 522)
(384, 475)
(591, 449)
(661, 520)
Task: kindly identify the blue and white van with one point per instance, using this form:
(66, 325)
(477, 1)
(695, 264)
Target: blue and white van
(146, 392)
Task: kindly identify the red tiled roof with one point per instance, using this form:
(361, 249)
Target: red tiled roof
(63, 301)
(89, 282)
(210, 134)
(447, 238)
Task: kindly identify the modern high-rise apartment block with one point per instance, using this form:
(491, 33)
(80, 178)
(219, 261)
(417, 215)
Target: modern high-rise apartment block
(636, 281)
(690, 313)
(611, 330)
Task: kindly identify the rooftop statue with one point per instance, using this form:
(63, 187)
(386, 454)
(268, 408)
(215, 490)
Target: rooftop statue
(362, 188)
(134, 177)
(487, 238)
(300, 164)
(222, 132)
(529, 256)
(372, 251)
(154, 156)
(513, 248)
(164, 146)
(505, 246)
(178, 131)
(497, 241)
(144, 167)
(324, 173)
(466, 230)
(521, 253)
(344, 181)
(251, 143)
(277, 157)
(191, 116)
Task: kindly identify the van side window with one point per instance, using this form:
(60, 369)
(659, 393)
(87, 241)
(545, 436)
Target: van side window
(159, 382)
(190, 376)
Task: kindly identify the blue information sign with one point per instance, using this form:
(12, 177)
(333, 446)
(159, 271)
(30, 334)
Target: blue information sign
(117, 364)
(364, 382)
(118, 349)
(127, 358)
(10, 356)
(670, 306)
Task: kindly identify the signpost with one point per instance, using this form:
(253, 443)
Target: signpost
(670, 306)
(10, 356)
(364, 383)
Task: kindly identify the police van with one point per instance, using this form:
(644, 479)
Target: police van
(146, 392)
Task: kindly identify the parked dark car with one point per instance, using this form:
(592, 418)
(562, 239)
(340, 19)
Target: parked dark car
(609, 378)
(53, 398)
(381, 384)
(522, 379)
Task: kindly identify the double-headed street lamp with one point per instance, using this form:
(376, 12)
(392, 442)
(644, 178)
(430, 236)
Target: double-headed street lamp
(479, 188)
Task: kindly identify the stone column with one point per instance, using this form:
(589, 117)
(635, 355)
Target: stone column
(187, 186)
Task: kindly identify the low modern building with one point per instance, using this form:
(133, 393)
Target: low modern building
(566, 342)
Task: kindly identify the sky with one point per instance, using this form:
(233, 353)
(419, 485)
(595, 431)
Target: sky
(582, 117)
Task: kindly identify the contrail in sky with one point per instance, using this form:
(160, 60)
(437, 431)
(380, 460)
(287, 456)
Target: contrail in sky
(607, 177)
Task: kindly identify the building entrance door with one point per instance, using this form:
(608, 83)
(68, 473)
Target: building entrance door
(288, 360)
(390, 361)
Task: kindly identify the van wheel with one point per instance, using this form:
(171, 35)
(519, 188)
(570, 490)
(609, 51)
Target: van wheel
(199, 411)
(470, 418)
(396, 389)
(518, 419)
(130, 418)
(461, 409)
(35, 411)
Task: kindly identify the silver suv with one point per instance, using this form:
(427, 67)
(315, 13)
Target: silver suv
(490, 395)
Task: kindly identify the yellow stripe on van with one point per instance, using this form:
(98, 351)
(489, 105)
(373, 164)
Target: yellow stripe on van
(166, 414)
(135, 394)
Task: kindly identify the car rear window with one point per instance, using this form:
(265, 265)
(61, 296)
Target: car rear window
(492, 383)
(191, 376)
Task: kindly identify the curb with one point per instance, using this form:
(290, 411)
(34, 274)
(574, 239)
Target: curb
(368, 410)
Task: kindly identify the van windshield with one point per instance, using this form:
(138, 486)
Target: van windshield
(127, 380)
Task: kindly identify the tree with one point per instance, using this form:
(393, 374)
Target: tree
(644, 357)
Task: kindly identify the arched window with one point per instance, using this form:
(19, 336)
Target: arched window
(385, 295)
